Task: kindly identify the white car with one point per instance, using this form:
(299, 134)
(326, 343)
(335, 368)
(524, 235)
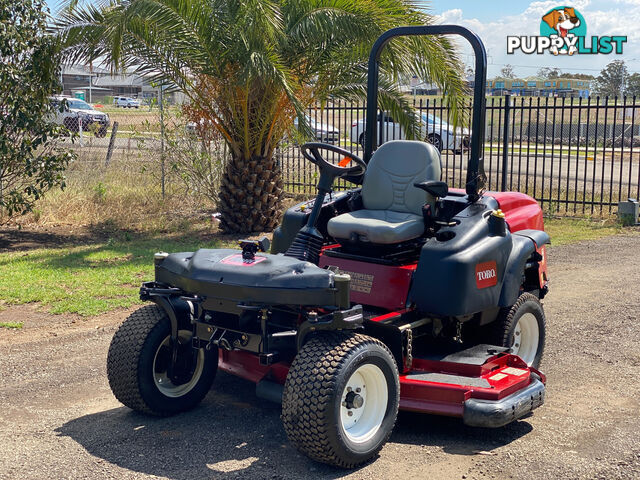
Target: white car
(438, 132)
(323, 131)
(126, 102)
(72, 112)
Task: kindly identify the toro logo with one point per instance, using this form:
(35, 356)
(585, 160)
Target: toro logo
(486, 274)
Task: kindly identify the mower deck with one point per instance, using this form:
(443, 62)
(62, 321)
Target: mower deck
(483, 385)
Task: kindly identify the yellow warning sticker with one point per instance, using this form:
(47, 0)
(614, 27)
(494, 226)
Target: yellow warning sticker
(498, 376)
(515, 371)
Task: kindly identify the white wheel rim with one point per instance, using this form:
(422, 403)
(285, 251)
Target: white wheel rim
(361, 417)
(525, 339)
(162, 381)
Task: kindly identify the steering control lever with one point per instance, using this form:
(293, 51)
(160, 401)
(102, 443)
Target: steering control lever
(308, 241)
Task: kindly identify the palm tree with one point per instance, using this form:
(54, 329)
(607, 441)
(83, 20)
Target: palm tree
(252, 66)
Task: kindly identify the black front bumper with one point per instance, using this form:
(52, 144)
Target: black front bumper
(493, 414)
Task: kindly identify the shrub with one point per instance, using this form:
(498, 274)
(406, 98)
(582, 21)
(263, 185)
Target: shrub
(31, 161)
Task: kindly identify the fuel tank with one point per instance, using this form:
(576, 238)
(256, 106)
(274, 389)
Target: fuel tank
(462, 269)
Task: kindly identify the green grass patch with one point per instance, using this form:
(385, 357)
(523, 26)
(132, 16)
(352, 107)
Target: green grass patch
(11, 325)
(564, 231)
(88, 279)
(99, 277)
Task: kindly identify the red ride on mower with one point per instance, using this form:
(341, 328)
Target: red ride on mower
(399, 294)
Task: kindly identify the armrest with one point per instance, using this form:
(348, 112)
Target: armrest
(436, 188)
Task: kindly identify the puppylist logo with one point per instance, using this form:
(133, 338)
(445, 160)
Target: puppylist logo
(563, 31)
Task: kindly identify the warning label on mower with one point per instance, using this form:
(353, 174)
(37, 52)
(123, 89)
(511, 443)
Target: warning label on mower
(360, 282)
(486, 274)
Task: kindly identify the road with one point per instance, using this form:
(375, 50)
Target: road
(59, 419)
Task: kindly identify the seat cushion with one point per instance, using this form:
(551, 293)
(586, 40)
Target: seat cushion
(376, 226)
(392, 171)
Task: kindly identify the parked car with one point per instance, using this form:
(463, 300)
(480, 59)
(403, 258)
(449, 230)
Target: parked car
(126, 102)
(73, 112)
(433, 129)
(323, 131)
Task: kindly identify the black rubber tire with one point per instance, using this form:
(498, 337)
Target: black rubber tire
(505, 324)
(361, 140)
(130, 365)
(101, 132)
(435, 140)
(312, 397)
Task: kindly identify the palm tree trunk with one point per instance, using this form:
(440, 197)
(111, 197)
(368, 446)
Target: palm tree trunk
(250, 197)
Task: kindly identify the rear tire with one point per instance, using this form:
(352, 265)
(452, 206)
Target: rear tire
(522, 327)
(361, 140)
(137, 364)
(333, 374)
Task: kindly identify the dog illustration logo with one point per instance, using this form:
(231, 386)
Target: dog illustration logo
(563, 23)
(563, 31)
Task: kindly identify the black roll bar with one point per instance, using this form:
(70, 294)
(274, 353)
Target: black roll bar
(475, 168)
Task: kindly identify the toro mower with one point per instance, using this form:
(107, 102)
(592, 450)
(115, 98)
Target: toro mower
(397, 294)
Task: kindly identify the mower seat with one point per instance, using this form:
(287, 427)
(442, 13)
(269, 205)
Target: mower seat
(392, 205)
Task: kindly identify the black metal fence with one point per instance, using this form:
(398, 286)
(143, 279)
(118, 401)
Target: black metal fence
(575, 156)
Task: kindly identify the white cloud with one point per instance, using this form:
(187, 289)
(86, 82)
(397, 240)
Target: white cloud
(450, 16)
(540, 8)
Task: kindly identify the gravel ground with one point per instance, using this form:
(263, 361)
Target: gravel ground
(59, 420)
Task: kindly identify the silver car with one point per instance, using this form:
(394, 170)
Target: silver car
(126, 102)
(433, 129)
(323, 131)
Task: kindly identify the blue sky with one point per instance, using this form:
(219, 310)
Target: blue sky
(494, 20)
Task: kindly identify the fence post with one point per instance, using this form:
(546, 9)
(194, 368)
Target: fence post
(80, 130)
(161, 95)
(505, 141)
(112, 141)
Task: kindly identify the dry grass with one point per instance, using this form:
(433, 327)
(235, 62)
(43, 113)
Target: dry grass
(125, 196)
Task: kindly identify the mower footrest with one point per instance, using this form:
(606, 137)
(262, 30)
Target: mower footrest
(496, 413)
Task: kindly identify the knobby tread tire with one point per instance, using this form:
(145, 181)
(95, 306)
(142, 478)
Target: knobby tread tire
(309, 390)
(507, 318)
(129, 349)
(124, 354)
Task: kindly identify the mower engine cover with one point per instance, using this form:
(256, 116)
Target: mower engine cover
(265, 279)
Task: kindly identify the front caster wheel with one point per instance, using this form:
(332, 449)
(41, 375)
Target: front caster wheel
(341, 398)
(138, 363)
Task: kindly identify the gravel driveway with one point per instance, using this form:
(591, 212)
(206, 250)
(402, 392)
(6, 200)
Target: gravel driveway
(59, 420)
